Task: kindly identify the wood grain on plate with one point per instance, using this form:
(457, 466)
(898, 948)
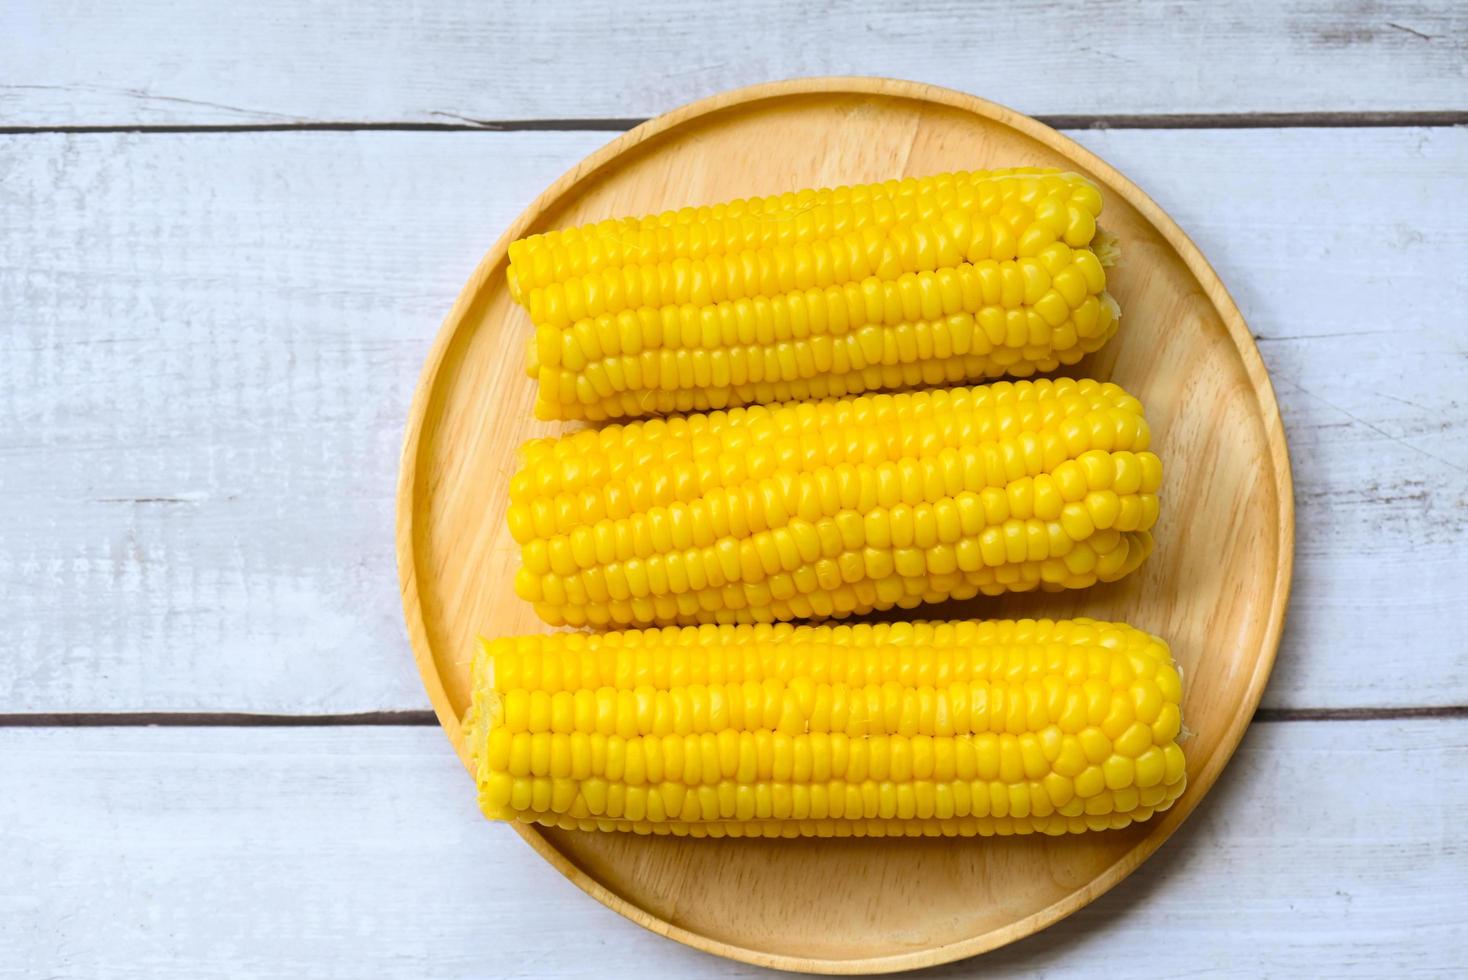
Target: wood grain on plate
(221, 545)
(1216, 587)
(279, 62)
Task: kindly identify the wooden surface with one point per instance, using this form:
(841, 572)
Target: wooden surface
(1215, 587)
(178, 62)
(221, 853)
(208, 342)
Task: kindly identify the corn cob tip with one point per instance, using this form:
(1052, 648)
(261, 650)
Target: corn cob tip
(512, 279)
(486, 707)
(532, 359)
(1106, 247)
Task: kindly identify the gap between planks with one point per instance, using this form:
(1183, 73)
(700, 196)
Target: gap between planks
(1237, 120)
(418, 719)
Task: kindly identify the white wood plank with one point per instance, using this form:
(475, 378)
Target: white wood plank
(199, 853)
(211, 347)
(208, 344)
(171, 62)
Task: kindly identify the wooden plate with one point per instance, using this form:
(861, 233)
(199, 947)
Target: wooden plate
(1216, 586)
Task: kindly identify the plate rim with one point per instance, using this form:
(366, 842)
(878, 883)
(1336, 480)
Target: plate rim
(1218, 297)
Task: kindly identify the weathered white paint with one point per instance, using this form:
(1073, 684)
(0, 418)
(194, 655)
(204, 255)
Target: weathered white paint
(170, 62)
(211, 347)
(208, 344)
(1325, 850)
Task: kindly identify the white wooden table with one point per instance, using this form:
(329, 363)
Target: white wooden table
(227, 235)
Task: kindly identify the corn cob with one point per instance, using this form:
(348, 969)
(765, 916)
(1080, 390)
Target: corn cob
(827, 509)
(938, 280)
(901, 729)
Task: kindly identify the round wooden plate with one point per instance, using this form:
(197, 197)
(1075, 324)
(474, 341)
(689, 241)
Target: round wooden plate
(1216, 586)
